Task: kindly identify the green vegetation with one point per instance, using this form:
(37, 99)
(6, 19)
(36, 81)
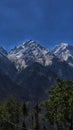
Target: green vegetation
(59, 106)
(56, 110)
(9, 114)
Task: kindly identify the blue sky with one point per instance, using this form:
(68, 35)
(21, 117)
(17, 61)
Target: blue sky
(49, 22)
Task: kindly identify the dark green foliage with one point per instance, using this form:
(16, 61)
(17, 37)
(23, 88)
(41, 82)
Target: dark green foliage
(9, 114)
(59, 106)
(58, 109)
(4, 117)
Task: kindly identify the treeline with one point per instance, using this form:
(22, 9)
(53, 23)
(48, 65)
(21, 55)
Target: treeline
(56, 113)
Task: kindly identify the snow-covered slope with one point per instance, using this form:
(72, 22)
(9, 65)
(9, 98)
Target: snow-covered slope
(64, 52)
(28, 53)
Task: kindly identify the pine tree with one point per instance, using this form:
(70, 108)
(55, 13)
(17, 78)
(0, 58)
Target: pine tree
(13, 108)
(59, 106)
(9, 114)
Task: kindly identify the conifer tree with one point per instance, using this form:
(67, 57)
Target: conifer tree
(59, 106)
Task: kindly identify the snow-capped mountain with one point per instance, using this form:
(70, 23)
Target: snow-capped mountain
(28, 53)
(64, 52)
(35, 64)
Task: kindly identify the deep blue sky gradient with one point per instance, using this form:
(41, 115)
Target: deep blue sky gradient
(49, 22)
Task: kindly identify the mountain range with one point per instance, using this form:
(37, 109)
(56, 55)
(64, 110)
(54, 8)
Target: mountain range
(29, 69)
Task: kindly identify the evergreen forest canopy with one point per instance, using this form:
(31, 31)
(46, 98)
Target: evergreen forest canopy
(56, 113)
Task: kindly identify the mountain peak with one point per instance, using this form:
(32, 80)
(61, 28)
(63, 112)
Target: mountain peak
(27, 53)
(32, 44)
(65, 52)
(27, 44)
(62, 46)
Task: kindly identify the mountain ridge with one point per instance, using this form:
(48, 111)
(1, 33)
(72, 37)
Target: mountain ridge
(27, 53)
(34, 68)
(30, 51)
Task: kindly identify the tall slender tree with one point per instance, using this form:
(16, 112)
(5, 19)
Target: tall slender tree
(37, 111)
(25, 114)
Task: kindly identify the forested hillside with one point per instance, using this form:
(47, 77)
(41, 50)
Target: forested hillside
(55, 113)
